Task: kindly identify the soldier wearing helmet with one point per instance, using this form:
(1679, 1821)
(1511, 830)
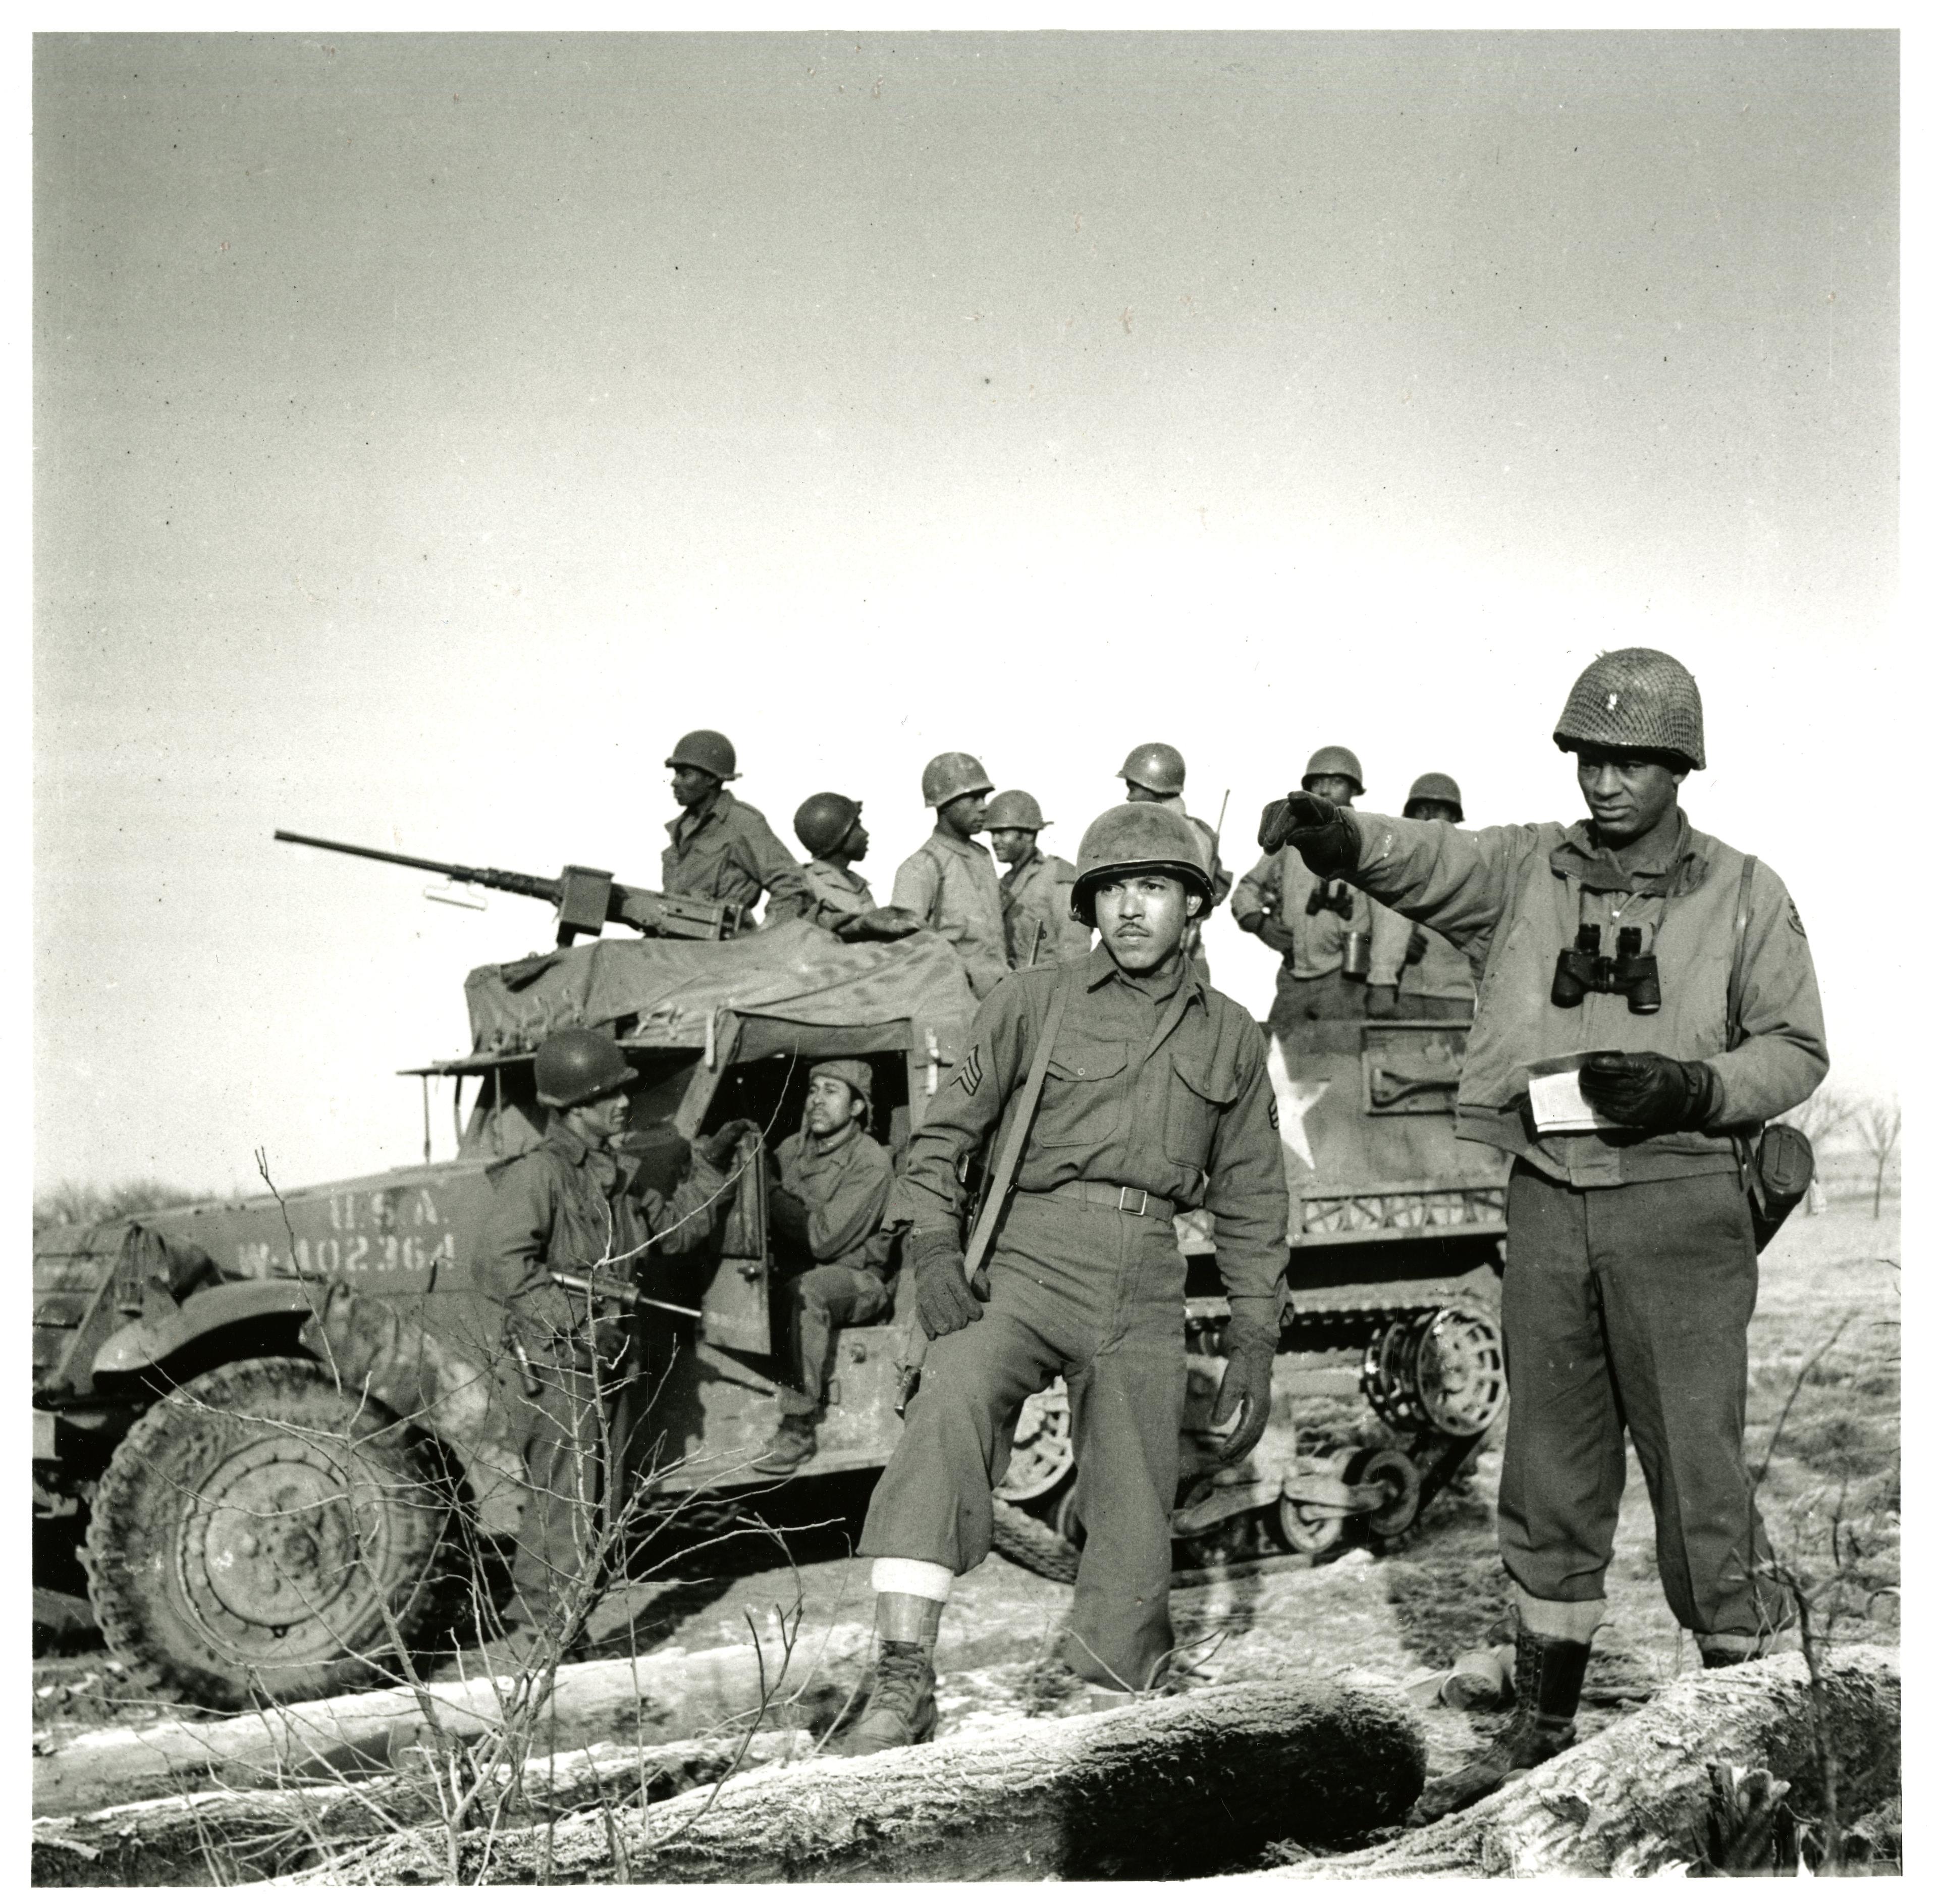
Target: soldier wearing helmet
(825, 1214)
(1648, 1003)
(949, 882)
(575, 1205)
(1415, 972)
(718, 847)
(1155, 1098)
(1310, 923)
(1153, 774)
(829, 826)
(1037, 924)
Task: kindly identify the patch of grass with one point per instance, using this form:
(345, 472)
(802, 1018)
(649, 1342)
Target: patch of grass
(1455, 1596)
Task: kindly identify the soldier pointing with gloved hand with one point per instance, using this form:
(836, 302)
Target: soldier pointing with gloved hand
(1120, 1089)
(1648, 1001)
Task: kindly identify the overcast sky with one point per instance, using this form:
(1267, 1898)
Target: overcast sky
(430, 429)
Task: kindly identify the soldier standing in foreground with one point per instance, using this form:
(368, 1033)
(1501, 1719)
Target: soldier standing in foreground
(829, 826)
(718, 848)
(1624, 1087)
(1310, 921)
(1153, 774)
(1154, 1094)
(571, 1205)
(949, 882)
(1036, 890)
(1416, 973)
(826, 1212)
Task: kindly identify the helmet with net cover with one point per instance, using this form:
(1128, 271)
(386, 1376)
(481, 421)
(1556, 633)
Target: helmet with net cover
(1634, 698)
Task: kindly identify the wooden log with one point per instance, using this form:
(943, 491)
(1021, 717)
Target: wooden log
(655, 1696)
(203, 1838)
(1638, 1800)
(1165, 1788)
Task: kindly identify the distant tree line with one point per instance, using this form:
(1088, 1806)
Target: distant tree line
(69, 1201)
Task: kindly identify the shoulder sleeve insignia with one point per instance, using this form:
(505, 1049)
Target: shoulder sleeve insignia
(1796, 922)
(969, 1072)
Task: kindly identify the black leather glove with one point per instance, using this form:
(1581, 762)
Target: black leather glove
(1246, 1390)
(1323, 834)
(1648, 1090)
(944, 1298)
(787, 1217)
(719, 1149)
(1383, 1001)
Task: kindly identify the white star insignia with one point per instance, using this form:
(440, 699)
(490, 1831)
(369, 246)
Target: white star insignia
(1295, 1097)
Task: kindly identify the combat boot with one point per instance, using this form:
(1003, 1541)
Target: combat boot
(793, 1443)
(900, 1709)
(1547, 1691)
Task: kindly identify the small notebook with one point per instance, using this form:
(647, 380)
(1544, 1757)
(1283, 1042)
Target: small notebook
(1554, 1093)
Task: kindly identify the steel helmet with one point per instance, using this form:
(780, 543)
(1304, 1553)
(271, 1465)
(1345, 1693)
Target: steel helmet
(950, 775)
(575, 1065)
(1016, 808)
(1155, 765)
(1336, 760)
(1636, 698)
(1138, 837)
(1443, 787)
(711, 752)
(823, 820)
(854, 1073)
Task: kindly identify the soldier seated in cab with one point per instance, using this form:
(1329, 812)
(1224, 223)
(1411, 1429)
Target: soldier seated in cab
(825, 1216)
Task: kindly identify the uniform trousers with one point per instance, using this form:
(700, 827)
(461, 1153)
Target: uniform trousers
(1096, 1296)
(557, 1544)
(826, 1299)
(1628, 1307)
(1297, 1001)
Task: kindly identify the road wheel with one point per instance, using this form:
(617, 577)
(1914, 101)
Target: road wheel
(254, 1529)
(1021, 1537)
(1395, 1471)
(1302, 1527)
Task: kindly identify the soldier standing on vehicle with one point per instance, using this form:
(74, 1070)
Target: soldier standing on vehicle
(1416, 973)
(1153, 774)
(718, 846)
(829, 826)
(570, 1205)
(1036, 918)
(826, 1215)
(1624, 1087)
(1313, 923)
(1154, 1095)
(949, 882)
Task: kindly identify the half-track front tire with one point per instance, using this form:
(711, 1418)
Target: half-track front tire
(260, 1535)
(1019, 1536)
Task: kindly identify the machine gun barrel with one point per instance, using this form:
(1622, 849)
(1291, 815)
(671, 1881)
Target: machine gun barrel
(586, 898)
(527, 885)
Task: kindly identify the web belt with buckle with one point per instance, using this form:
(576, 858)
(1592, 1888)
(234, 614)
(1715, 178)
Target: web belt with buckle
(1115, 1196)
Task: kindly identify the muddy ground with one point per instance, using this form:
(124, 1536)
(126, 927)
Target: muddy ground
(1824, 1359)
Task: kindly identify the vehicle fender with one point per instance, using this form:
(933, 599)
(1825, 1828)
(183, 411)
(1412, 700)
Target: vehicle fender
(152, 1339)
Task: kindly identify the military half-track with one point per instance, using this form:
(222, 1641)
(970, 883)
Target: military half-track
(258, 1430)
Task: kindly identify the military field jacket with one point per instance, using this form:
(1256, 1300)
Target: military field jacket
(846, 1191)
(1279, 886)
(951, 885)
(566, 1207)
(833, 893)
(1191, 1117)
(1513, 897)
(729, 854)
(1036, 912)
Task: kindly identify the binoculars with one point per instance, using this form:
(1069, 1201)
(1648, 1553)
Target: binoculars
(1583, 967)
(1330, 895)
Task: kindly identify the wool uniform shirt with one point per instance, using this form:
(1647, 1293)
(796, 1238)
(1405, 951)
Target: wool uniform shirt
(845, 1184)
(1158, 1086)
(1036, 912)
(950, 885)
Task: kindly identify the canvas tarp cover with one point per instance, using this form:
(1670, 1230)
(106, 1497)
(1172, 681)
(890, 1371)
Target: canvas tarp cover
(670, 987)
